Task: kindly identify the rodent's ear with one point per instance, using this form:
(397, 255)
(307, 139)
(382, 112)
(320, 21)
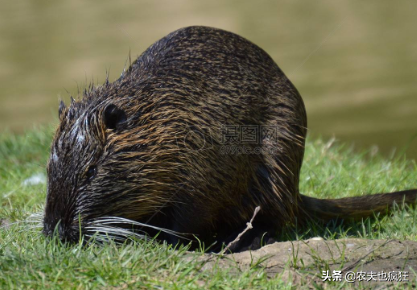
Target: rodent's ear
(113, 116)
(61, 109)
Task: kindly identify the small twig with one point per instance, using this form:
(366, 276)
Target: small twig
(249, 226)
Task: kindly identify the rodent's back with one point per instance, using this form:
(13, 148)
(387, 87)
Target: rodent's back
(162, 129)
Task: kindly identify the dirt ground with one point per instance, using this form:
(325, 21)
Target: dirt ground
(316, 263)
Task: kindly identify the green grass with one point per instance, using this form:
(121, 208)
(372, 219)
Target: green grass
(28, 260)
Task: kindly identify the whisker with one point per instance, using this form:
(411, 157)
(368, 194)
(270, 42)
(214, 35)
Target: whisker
(119, 220)
(114, 231)
(105, 234)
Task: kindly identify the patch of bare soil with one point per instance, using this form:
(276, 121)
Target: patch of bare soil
(318, 263)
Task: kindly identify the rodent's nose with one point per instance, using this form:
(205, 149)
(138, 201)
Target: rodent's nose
(65, 234)
(48, 229)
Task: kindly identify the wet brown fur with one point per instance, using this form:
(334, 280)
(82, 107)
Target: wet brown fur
(147, 147)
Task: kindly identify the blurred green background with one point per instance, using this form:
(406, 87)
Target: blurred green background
(354, 62)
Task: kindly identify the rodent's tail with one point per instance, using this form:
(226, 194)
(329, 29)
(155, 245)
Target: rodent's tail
(356, 207)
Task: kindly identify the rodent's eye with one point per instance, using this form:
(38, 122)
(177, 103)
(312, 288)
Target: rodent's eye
(91, 172)
(113, 116)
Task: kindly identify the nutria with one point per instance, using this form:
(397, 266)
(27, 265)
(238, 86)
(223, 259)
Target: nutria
(160, 148)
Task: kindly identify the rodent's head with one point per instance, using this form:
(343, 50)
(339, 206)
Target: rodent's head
(78, 163)
(101, 159)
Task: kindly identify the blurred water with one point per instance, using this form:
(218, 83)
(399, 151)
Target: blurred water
(354, 63)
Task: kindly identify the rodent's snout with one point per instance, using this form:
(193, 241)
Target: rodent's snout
(66, 234)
